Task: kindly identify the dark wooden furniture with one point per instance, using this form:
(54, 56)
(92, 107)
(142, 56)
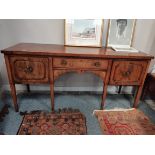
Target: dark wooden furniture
(29, 63)
(149, 87)
(119, 89)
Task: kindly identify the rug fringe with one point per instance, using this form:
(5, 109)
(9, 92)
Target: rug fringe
(116, 109)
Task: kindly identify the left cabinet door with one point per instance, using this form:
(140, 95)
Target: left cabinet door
(29, 69)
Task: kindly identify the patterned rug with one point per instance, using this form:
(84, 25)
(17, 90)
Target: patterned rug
(63, 122)
(124, 122)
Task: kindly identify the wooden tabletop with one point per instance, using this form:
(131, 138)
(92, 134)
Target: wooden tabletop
(61, 50)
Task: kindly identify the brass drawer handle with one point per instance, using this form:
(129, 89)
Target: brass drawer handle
(28, 69)
(97, 64)
(126, 74)
(63, 62)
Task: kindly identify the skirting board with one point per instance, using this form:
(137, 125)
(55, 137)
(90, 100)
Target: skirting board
(97, 90)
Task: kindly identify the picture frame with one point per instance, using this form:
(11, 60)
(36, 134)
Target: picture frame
(120, 33)
(83, 32)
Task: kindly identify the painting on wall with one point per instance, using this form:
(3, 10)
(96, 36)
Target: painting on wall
(120, 33)
(83, 32)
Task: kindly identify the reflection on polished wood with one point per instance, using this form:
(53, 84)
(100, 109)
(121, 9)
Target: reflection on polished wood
(29, 63)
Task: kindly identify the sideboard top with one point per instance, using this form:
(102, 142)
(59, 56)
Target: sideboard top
(61, 50)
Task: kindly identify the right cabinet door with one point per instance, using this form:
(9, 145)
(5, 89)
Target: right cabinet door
(127, 72)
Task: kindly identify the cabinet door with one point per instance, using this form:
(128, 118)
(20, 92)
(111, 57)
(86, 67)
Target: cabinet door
(127, 72)
(29, 69)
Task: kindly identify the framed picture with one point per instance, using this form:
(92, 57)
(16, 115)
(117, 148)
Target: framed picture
(120, 32)
(83, 32)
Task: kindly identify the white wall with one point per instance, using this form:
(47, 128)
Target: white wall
(38, 31)
(144, 39)
(52, 32)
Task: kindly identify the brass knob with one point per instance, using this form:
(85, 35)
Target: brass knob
(97, 64)
(63, 62)
(127, 73)
(29, 69)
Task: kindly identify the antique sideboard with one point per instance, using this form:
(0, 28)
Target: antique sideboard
(30, 63)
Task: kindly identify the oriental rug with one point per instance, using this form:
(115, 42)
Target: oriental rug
(62, 122)
(124, 122)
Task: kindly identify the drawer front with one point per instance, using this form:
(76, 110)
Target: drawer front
(29, 69)
(127, 72)
(80, 63)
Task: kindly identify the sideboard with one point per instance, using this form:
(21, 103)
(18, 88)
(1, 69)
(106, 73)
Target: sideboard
(31, 63)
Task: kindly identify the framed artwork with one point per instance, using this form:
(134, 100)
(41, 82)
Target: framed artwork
(120, 33)
(83, 32)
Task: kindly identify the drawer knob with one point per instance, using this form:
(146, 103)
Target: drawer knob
(63, 62)
(126, 74)
(97, 64)
(29, 69)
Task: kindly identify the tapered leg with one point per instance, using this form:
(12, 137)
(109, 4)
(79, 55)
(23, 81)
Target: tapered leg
(146, 86)
(28, 87)
(138, 95)
(105, 86)
(119, 89)
(104, 95)
(14, 97)
(51, 76)
(12, 83)
(52, 96)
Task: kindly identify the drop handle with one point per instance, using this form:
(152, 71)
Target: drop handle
(127, 73)
(97, 64)
(63, 62)
(29, 69)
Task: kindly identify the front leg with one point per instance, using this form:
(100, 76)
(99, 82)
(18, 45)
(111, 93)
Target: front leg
(14, 96)
(28, 88)
(138, 95)
(104, 95)
(52, 96)
(12, 83)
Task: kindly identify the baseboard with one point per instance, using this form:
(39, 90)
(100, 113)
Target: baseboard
(96, 90)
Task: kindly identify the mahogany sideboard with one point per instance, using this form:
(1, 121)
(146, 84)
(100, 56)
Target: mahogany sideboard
(31, 63)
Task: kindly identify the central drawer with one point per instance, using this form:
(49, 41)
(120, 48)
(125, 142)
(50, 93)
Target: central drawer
(80, 63)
